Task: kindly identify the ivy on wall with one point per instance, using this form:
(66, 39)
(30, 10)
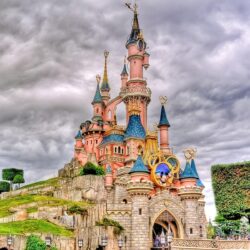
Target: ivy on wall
(231, 186)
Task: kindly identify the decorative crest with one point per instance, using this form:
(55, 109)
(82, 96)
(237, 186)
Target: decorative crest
(163, 100)
(134, 108)
(98, 78)
(190, 153)
(155, 126)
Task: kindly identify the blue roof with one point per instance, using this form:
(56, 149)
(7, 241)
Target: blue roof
(139, 166)
(188, 172)
(135, 128)
(78, 135)
(97, 97)
(112, 138)
(193, 166)
(108, 170)
(163, 119)
(124, 70)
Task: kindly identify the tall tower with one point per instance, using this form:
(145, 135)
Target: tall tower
(138, 58)
(105, 88)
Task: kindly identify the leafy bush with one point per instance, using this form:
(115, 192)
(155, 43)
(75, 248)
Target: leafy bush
(231, 188)
(75, 209)
(91, 169)
(35, 243)
(106, 222)
(4, 186)
(9, 174)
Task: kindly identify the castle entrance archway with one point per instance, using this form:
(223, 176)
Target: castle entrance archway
(165, 223)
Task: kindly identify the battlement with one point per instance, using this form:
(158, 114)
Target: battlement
(190, 192)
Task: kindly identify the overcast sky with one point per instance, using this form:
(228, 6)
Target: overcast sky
(51, 50)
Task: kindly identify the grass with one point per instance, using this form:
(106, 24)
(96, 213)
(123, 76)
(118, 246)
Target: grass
(50, 182)
(33, 226)
(40, 200)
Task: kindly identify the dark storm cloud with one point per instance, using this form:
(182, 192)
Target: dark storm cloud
(50, 52)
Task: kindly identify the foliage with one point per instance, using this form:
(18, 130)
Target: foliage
(40, 200)
(35, 243)
(33, 226)
(9, 174)
(91, 169)
(231, 188)
(50, 182)
(210, 231)
(75, 209)
(18, 179)
(106, 222)
(4, 186)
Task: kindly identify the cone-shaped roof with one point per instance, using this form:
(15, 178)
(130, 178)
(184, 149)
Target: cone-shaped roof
(105, 84)
(193, 166)
(124, 70)
(78, 135)
(163, 119)
(97, 97)
(188, 172)
(139, 166)
(135, 129)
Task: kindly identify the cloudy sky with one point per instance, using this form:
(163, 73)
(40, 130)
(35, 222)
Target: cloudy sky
(51, 50)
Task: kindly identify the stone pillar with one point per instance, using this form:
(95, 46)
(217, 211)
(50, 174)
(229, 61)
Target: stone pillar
(140, 229)
(190, 197)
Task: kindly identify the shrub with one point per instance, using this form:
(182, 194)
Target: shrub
(9, 174)
(91, 169)
(75, 209)
(106, 222)
(18, 179)
(4, 186)
(36, 243)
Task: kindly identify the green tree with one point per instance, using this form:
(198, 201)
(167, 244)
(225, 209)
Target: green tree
(4, 186)
(8, 174)
(18, 179)
(91, 169)
(36, 243)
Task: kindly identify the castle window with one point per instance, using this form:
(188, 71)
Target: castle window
(140, 211)
(96, 141)
(201, 231)
(191, 230)
(124, 201)
(119, 150)
(122, 150)
(106, 150)
(127, 150)
(115, 149)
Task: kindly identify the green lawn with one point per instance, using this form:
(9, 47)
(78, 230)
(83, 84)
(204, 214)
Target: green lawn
(50, 182)
(33, 226)
(40, 200)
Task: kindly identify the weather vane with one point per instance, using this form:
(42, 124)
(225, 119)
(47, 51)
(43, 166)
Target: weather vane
(132, 8)
(163, 100)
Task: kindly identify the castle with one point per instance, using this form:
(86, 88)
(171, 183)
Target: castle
(147, 192)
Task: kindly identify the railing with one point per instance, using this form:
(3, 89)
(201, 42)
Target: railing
(210, 244)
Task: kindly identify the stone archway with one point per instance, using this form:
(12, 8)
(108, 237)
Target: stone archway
(165, 221)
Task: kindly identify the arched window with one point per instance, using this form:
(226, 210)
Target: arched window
(119, 150)
(191, 230)
(122, 150)
(106, 150)
(124, 201)
(96, 141)
(201, 231)
(115, 149)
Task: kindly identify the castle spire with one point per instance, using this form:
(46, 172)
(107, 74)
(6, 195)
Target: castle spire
(105, 84)
(97, 97)
(124, 70)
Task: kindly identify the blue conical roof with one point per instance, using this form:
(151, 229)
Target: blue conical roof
(188, 172)
(163, 119)
(124, 70)
(139, 166)
(193, 166)
(78, 135)
(97, 97)
(108, 170)
(135, 128)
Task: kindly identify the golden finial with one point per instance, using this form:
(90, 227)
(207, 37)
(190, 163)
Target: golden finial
(98, 78)
(134, 8)
(163, 100)
(190, 153)
(105, 73)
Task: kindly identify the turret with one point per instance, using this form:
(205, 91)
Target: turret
(139, 189)
(188, 177)
(124, 74)
(198, 181)
(136, 86)
(97, 102)
(78, 139)
(105, 88)
(163, 127)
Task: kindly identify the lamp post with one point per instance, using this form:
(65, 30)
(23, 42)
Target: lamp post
(80, 243)
(104, 241)
(9, 241)
(120, 243)
(48, 241)
(169, 239)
